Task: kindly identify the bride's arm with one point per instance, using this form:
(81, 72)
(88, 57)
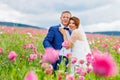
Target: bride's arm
(63, 32)
(76, 35)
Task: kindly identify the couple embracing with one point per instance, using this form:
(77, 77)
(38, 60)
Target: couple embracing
(70, 31)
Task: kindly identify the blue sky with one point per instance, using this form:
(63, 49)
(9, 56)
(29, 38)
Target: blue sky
(95, 15)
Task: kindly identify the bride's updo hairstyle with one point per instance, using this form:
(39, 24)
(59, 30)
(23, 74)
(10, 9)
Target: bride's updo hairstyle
(76, 21)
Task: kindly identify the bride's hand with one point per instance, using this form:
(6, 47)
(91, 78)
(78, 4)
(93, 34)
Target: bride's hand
(62, 31)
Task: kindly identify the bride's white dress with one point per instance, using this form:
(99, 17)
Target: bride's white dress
(80, 48)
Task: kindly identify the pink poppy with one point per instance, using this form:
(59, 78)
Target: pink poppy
(25, 46)
(31, 76)
(12, 55)
(81, 61)
(78, 70)
(31, 46)
(89, 58)
(32, 56)
(104, 65)
(68, 55)
(65, 44)
(74, 60)
(1, 50)
(51, 55)
(49, 69)
(104, 46)
(70, 77)
(82, 78)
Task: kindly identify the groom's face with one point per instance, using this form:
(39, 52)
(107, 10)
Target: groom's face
(65, 19)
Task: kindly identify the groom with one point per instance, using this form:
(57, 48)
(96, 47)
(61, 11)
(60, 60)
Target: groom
(54, 38)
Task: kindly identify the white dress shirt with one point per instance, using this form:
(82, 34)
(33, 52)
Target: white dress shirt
(63, 50)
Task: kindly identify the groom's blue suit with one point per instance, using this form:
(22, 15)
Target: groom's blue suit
(54, 39)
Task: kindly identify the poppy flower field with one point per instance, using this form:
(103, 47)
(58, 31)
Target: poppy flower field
(22, 57)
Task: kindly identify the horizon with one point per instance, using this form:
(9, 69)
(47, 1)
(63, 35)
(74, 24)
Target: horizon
(32, 26)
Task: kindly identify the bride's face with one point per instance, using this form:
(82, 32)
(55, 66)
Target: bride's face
(72, 25)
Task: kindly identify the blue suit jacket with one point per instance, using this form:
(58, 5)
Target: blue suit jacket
(53, 38)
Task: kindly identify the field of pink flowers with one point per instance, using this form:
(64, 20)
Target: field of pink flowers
(21, 57)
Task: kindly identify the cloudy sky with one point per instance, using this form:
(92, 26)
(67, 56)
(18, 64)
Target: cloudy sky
(95, 15)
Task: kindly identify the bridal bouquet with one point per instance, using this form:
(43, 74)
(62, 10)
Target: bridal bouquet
(65, 44)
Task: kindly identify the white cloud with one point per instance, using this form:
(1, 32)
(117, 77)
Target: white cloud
(11, 15)
(45, 13)
(8, 14)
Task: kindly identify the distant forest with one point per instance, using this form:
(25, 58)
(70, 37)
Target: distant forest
(111, 33)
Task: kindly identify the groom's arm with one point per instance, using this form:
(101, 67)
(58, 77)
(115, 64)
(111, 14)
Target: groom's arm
(49, 38)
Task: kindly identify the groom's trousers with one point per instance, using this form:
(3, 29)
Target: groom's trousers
(57, 63)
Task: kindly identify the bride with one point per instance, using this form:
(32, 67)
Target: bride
(78, 42)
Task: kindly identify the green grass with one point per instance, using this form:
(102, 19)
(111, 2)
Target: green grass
(16, 70)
